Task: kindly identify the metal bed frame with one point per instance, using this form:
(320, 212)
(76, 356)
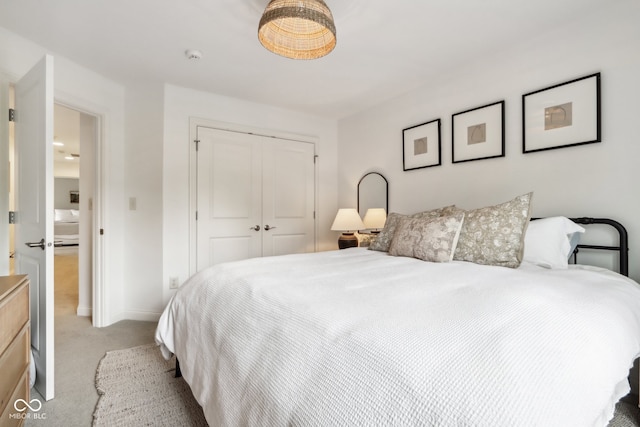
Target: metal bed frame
(623, 241)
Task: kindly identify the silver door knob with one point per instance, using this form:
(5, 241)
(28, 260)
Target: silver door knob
(256, 228)
(268, 227)
(39, 244)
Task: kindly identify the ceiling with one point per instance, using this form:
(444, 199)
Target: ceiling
(384, 49)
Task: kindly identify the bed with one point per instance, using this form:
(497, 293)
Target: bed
(364, 337)
(66, 232)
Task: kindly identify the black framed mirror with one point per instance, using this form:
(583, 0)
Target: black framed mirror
(373, 192)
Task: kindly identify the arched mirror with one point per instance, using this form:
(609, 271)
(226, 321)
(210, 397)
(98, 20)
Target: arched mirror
(373, 192)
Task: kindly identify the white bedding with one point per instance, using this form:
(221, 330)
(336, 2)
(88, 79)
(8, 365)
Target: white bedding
(66, 233)
(357, 337)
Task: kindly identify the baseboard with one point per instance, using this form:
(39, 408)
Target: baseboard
(144, 316)
(84, 311)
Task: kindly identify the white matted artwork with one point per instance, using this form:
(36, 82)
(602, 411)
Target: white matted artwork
(421, 146)
(563, 115)
(478, 133)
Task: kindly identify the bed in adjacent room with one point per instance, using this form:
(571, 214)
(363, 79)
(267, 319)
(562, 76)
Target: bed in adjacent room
(451, 318)
(66, 233)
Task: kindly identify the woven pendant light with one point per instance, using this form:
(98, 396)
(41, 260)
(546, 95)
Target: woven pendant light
(298, 29)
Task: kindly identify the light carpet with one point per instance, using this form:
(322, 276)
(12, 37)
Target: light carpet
(138, 387)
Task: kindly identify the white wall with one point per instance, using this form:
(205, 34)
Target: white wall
(62, 187)
(181, 104)
(591, 180)
(143, 202)
(83, 89)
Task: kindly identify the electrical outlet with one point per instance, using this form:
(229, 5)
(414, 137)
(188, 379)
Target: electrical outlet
(174, 282)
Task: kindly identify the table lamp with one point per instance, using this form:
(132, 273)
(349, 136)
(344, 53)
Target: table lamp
(374, 219)
(348, 221)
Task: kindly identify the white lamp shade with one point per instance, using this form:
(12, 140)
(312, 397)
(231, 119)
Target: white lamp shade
(375, 218)
(347, 220)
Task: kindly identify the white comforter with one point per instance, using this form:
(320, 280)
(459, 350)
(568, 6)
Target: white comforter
(360, 338)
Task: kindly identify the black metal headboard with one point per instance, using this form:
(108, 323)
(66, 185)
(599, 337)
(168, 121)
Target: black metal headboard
(623, 241)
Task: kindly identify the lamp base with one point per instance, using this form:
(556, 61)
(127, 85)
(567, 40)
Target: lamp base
(347, 240)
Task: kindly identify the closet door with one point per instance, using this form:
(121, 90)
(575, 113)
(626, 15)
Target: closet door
(256, 197)
(288, 194)
(229, 191)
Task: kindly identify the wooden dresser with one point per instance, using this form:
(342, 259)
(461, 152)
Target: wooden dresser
(15, 347)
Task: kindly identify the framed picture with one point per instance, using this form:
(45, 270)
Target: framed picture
(74, 197)
(563, 115)
(421, 146)
(478, 133)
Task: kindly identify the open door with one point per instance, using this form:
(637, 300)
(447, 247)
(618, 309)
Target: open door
(34, 210)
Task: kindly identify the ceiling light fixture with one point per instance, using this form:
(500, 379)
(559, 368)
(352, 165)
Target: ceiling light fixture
(297, 29)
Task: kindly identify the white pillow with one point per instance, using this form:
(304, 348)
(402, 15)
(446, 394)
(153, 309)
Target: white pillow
(547, 241)
(64, 215)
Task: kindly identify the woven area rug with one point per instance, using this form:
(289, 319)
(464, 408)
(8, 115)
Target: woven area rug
(137, 387)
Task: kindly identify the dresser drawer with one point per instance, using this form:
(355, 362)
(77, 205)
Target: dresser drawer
(13, 363)
(10, 417)
(14, 313)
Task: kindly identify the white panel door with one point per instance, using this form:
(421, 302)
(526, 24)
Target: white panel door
(229, 192)
(255, 197)
(34, 210)
(288, 197)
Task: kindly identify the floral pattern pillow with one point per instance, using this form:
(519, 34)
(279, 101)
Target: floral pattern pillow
(365, 239)
(494, 235)
(383, 241)
(429, 239)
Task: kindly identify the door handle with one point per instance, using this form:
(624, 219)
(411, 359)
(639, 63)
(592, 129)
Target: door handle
(256, 228)
(268, 227)
(39, 244)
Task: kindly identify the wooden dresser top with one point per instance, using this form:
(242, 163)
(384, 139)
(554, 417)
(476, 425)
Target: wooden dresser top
(8, 283)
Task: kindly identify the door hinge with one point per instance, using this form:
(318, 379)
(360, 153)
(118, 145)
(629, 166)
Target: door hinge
(314, 214)
(12, 115)
(197, 141)
(196, 215)
(12, 217)
(101, 231)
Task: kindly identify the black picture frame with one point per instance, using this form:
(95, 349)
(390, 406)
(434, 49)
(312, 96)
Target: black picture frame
(563, 115)
(478, 133)
(422, 146)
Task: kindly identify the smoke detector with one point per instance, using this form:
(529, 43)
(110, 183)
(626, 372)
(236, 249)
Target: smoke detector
(193, 54)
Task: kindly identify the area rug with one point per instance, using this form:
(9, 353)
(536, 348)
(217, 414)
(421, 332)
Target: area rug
(138, 387)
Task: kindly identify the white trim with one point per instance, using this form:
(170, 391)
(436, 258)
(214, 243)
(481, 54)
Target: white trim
(84, 311)
(4, 189)
(144, 316)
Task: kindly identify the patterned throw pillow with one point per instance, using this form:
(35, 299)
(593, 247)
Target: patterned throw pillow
(385, 236)
(494, 235)
(429, 239)
(365, 239)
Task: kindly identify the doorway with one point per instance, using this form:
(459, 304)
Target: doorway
(255, 196)
(74, 183)
(75, 176)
